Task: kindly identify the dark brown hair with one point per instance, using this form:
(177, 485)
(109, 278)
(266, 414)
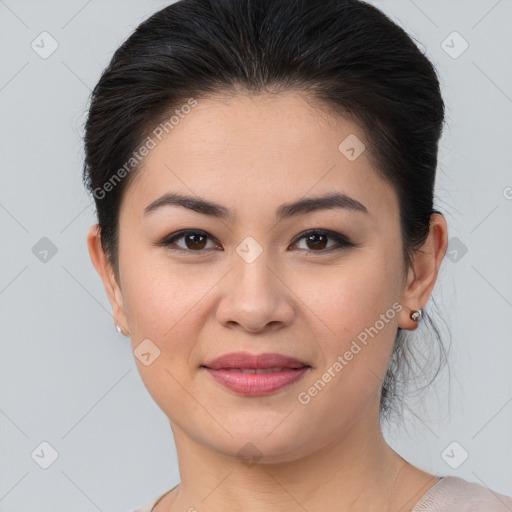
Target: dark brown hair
(344, 54)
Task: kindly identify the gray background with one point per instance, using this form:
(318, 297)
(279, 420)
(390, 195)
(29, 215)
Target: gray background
(68, 378)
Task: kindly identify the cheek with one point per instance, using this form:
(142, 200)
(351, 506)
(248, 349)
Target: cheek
(351, 296)
(356, 304)
(165, 310)
(159, 296)
(168, 305)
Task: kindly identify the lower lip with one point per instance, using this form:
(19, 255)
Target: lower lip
(256, 384)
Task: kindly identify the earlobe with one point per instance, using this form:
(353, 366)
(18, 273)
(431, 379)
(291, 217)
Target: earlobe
(105, 271)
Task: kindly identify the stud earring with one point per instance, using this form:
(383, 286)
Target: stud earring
(119, 330)
(416, 315)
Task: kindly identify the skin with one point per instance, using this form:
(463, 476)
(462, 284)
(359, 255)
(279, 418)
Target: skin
(252, 154)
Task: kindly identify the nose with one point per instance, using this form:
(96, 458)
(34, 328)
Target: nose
(255, 297)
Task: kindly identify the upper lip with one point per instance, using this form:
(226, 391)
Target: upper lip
(246, 360)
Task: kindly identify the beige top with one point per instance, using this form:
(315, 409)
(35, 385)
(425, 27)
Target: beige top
(449, 494)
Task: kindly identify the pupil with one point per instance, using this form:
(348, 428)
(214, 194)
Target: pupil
(194, 238)
(322, 245)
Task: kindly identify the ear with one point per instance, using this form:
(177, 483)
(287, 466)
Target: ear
(106, 272)
(423, 274)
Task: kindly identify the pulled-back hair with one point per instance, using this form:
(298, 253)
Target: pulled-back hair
(345, 55)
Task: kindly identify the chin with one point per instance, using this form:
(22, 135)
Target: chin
(266, 445)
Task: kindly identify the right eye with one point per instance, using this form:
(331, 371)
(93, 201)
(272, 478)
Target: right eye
(195, 241)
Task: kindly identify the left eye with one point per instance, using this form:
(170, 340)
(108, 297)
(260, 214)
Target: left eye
(316, 240)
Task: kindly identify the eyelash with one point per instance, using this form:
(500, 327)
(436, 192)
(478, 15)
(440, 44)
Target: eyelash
(342, 241)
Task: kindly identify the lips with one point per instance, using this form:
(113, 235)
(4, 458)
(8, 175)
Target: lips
(255, 370)
(247, 361)
(256, 375)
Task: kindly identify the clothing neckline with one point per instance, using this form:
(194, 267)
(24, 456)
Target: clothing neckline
(426, 496)
(434, 489)
(159, 498)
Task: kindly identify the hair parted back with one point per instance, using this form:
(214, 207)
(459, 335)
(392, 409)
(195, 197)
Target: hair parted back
(344, 55)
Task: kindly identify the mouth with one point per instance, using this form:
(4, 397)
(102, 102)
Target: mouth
(255, 370)
(248, 361)
(256, 375)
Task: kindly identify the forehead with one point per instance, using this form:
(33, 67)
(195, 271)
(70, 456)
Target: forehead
(252, 152)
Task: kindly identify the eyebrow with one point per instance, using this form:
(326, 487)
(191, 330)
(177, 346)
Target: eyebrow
(287, 210)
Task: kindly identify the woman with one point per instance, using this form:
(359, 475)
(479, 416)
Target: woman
(264, 173)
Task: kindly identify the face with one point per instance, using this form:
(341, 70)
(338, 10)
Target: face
(259, 276)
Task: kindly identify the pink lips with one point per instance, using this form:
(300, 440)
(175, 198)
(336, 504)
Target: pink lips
(237, 372)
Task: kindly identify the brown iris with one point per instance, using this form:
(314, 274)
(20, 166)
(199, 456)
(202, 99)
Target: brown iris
(197, 243)
(315, 239)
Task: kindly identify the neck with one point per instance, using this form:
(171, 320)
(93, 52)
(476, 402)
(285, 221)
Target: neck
(356, 470)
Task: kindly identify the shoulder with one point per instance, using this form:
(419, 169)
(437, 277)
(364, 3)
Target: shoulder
(454, 494)
(148, 507)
